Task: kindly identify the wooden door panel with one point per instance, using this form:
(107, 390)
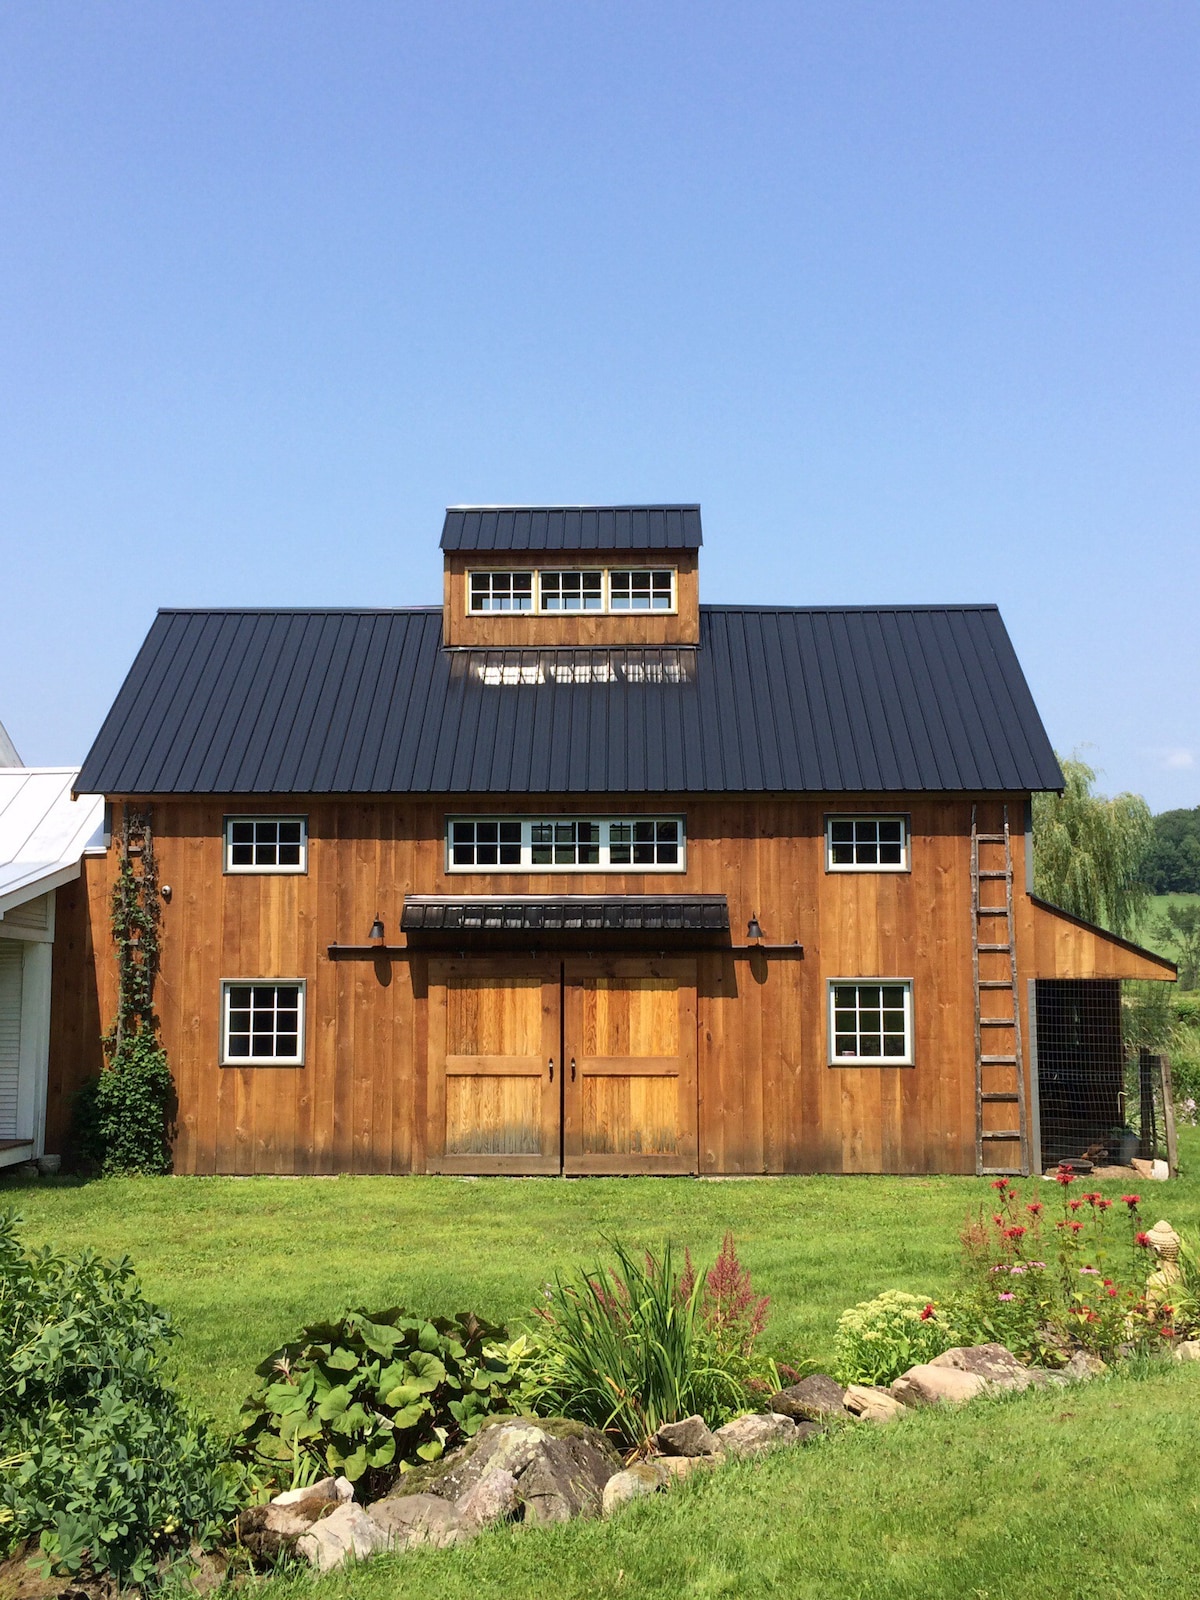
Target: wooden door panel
(493, 1095)
(630, 1043)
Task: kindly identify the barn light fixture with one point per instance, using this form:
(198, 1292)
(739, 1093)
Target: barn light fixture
(753, 930)
(376, 934)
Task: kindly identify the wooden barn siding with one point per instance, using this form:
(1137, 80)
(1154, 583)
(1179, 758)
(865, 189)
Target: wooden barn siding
(768, 1101)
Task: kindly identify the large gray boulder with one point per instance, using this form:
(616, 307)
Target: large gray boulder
(752, 1434)
(927, 1385)
(810, 1400)
(871, 1405)
(691, 1437)
(642, 1478)
(348, 1531)
(409, 1520)
(998, 1367)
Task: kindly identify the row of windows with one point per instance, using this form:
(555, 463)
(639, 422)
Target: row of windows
(532, 844)
(870, 1024)
(573, 591)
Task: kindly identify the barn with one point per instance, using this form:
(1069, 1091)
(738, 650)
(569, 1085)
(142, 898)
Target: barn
(574, 874)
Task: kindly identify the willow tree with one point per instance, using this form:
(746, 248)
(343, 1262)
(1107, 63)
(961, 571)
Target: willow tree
(1089, 851)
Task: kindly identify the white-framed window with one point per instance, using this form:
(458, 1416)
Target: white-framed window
(266, 844)
(501, 591)
(635, 589)
(565, 844)
(866, 844)
(870, 1022)
(262, 1022)
(581, 589)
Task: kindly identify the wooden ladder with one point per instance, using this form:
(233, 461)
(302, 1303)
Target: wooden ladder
(999, 1067)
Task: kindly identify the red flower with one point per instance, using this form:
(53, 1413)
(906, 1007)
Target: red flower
(1064, 1175)
(1092, 1198)
(1112, 1293)
(1034, 1208)
(1001, 1184)
(1143, 1239)
(1131, 1200)
(997, 1219)
(1074, 1205)
(1092, 1316)
(1167, 1333)
(1103, 1205)
(1075, 1227)
(1014, 1233)
(928, 1312)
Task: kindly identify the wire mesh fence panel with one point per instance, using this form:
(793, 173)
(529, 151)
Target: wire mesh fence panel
(1100, 1090)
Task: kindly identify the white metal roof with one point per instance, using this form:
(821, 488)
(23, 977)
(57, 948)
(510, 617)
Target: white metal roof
(43, 832)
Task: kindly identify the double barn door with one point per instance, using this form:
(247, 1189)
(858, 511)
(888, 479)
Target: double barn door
(575, 1065)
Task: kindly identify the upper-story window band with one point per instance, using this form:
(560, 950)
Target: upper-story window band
(630, 589)
(571, 591)
(548, 844)
(502, 591)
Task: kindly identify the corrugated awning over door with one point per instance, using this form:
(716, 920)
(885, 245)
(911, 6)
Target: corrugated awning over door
(566, 913)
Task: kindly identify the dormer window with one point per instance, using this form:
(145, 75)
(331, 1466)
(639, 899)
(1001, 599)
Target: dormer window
(502, 591)
(571, 591)
(631, 589)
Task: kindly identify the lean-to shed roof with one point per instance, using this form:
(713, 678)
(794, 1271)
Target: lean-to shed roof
(773, 700)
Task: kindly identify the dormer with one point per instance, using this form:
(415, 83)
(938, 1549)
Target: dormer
(547, 576)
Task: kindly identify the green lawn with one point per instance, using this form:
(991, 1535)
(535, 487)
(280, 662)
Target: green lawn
(1155, 910)
(1088, 1493)
(242, 1262)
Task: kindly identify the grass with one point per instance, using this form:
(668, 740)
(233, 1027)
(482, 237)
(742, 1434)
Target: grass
(1090, 1493)
(1156, 908)
(241, 1263)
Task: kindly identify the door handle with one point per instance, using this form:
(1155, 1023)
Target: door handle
(551, 1069)
(572, 1069)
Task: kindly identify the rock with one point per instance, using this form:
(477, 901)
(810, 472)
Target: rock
(691, 1437)
(407, 1520)
(642, 1478)
(684, 1466)
(566, 1479)
(871, 1405)
(999, 1368)
(811, 1399)
(1188, 1350)
(806, 1430)
(1082, 1365)
(756, 1432)
(325, 1492)
(927, 1385)
(495, 1498)
(347, 1531)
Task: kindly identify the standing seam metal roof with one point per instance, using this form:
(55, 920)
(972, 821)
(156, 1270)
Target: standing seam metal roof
(575, 528)
(856, 699)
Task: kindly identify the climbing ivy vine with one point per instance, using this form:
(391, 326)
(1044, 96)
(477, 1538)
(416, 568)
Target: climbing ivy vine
(125, 1116)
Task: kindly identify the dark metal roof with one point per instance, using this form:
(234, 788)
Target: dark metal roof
(572, 528)
(368, 702)
(610, 913)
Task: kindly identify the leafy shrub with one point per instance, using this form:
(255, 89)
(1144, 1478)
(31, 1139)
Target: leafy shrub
(630, 1346)
(99, 1457)
(374, 1392)
(879, 1339)
(123, 1117)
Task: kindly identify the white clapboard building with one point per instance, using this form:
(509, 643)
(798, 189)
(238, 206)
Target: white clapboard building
(43, 836)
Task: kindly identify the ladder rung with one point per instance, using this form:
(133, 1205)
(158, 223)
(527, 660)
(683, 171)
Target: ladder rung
(995, 983)
(991, 911)
(1009, 1098)
(998, 1061)
(992, 838)
(995, 947)
(997, 1022)
(996, 874)
(1005, 1133)
(1000, 1172)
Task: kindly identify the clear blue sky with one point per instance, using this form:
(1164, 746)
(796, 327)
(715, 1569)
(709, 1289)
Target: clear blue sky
(906, 295)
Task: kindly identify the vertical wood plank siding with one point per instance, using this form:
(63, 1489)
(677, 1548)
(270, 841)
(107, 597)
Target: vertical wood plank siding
(767, 1099)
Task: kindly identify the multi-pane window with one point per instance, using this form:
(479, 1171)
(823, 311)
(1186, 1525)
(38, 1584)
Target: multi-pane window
(263, 1024)
(640, 591)
(871, 844)
(870, 1023)
(485, 844)
(571, 591)
(266, 844)
(548, 844)
(652, 843)
(502, 591)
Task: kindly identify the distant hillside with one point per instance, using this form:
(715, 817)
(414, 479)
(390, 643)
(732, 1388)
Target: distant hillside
(1173, 865)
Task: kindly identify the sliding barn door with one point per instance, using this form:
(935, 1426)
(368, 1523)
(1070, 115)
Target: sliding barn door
(494, 1071)
(629, 1041)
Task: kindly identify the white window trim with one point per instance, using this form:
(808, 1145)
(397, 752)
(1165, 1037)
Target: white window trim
(833, 1060)
(528, 866)
(254, 870)
(605, 608)
(868, 816)
(226, 1060)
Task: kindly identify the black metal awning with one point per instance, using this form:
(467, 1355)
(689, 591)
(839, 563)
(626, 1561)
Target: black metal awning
(565, 913)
